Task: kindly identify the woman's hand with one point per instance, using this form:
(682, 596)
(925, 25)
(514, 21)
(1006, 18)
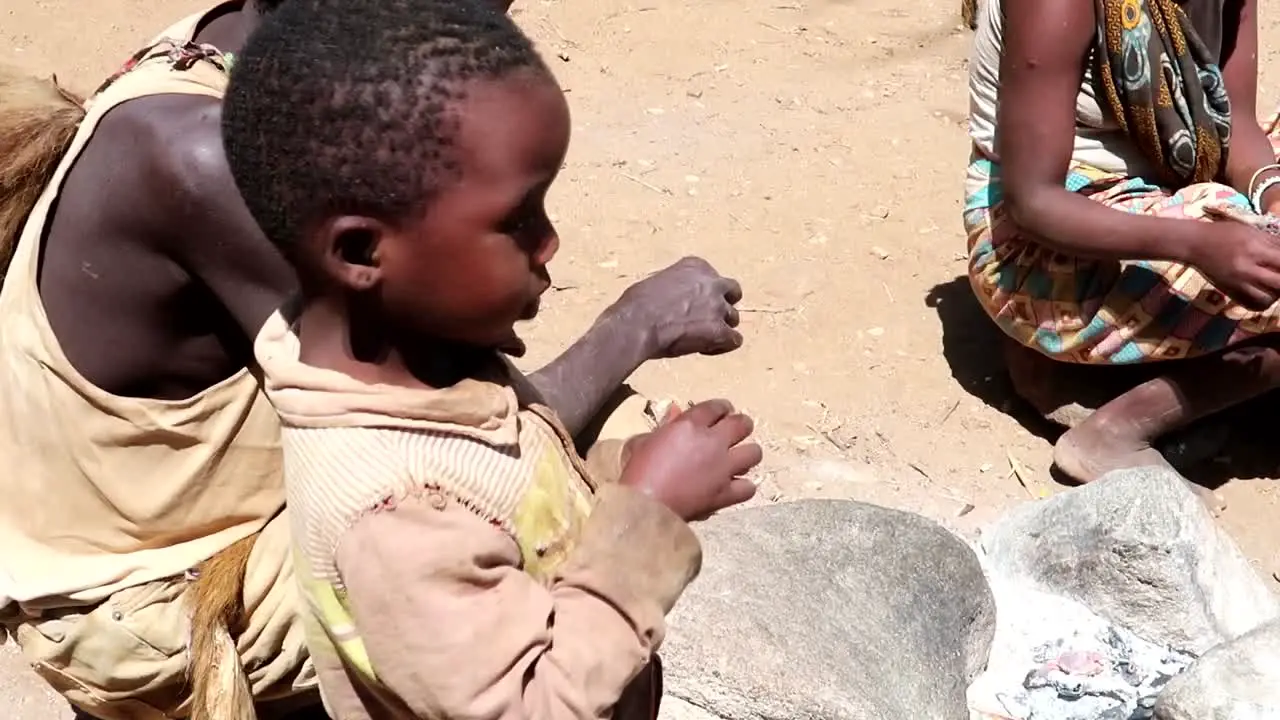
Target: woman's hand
(1241, 261)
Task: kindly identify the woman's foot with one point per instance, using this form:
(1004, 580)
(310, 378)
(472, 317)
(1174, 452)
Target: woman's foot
(1089, 451)
(1120, 433)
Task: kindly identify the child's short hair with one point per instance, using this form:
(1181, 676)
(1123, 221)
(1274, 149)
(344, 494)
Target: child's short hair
(341, 106)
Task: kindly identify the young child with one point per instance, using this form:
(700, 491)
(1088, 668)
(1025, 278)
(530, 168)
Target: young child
(459, 558)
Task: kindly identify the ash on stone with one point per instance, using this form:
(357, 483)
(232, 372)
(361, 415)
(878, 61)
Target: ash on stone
(1054, 659)
(1106, 593)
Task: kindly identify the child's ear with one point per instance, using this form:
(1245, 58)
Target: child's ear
(351, 257)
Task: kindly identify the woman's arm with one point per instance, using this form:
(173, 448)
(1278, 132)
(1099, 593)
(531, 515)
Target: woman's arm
(1047, 44)
(1250, 149)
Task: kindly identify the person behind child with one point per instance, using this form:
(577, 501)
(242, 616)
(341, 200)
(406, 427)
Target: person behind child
(142, 469)
(458, 557)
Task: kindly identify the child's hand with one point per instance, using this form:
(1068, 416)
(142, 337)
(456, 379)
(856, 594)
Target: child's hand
(695, 461)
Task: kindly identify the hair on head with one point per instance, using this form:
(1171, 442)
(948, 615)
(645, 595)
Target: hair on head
(342, 107)
(267, 6)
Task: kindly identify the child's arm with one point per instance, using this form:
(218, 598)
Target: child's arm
(685, 309)
(456, 629)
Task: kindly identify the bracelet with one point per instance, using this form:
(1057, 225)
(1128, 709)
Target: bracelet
(1255, 199)
(1259, 171)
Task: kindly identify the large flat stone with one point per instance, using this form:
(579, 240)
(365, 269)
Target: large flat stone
(828, 609)
(23, 696)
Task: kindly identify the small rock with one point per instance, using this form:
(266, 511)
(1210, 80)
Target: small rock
(1238, 680)
(875, 331)
(828, 609)
(1140, 549)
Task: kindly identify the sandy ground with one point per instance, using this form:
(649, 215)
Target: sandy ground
(814, 149)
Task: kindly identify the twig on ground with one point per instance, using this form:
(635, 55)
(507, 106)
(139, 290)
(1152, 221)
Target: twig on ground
(917, 468)
(947, 416)
(766, 310)
(1023, 475)
(614, 16)
(827, 435)
(556, 29)
(642, 183)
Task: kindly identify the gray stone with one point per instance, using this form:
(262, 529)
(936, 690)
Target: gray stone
(23, 695)
(1140, 549)
(828, 609)
(1238, 680)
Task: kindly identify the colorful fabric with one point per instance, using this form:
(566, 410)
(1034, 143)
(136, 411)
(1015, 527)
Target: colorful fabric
(1163, 87)
(1105, 312)
(181, 55)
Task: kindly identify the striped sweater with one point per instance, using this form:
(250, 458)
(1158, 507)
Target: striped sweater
(398, 491)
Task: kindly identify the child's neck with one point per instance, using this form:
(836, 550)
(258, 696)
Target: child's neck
(360, 348)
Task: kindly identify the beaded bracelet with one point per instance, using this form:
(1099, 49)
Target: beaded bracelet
(1255, 198)
(1254, 178)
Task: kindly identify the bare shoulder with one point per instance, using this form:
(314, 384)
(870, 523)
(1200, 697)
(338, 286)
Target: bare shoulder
(173, 144)
(165, 151)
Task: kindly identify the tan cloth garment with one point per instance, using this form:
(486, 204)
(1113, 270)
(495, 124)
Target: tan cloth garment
(446, 577)
(102, 492)
(109, 500)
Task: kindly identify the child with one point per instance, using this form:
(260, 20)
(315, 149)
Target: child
(459, 559)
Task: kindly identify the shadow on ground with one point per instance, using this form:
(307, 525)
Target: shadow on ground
(1236, 444)
(971, 344)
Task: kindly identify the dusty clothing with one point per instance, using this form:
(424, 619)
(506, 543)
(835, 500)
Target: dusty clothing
(459, 559)
(109, 500)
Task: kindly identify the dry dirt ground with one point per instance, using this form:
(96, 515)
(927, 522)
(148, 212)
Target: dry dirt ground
(814, 149)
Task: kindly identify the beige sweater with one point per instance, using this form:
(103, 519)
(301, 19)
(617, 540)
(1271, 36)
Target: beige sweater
(459, 560)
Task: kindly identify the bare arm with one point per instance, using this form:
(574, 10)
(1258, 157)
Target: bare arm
(1047, 43)
(500, 644)
(686, 308)
(1250, 149)
(579, 382)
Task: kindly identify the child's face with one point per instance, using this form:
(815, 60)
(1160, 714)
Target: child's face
(475, 264)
